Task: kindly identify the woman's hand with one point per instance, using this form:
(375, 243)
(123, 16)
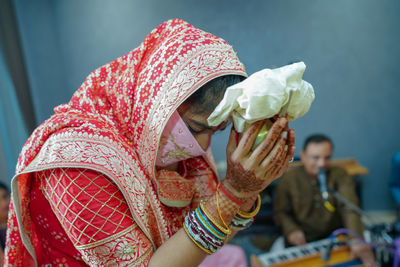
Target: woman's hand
(249, 172)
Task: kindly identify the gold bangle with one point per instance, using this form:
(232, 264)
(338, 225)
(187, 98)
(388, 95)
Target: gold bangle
(218, 209)
(227, 230)
(252, 213)
(211, 229)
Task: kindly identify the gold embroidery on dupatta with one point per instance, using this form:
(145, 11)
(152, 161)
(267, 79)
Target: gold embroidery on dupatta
(102, 154)
(117, 249)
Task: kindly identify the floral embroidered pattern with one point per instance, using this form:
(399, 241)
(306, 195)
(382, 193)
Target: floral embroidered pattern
(126, 249)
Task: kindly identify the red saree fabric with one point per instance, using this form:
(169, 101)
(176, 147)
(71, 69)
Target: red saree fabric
(112, 126)
(74, 207)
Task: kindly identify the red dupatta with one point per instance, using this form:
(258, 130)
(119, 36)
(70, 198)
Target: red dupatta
(113, 124)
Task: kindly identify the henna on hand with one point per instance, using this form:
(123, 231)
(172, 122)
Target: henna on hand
(249, 172)
(243, 183)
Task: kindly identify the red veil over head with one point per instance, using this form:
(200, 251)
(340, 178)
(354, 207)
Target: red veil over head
(114, 121)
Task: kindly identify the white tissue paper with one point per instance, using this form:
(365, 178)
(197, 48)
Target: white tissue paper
(263, 95)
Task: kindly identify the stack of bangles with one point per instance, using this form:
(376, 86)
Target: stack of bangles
(209, 235)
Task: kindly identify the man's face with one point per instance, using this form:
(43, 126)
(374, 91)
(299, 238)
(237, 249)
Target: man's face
(316, 156)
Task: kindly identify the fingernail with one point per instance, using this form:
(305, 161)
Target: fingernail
(286, 148)
(284, 134)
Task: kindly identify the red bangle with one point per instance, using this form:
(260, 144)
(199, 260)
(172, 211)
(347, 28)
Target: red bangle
(229, 195)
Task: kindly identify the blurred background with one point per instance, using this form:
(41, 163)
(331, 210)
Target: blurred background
(350, 47)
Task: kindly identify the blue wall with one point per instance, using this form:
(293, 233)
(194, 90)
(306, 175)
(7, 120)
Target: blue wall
(13, 132)
(351, 48)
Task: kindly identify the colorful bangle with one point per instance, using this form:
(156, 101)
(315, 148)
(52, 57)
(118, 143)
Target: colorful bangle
(252, 213)
(202, 232)
(207, 224)
(239, 223)
(207, 240)
(195, 238)
(225, 230)
(229, 195)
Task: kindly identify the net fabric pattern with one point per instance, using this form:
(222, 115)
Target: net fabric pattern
(88, 205)
(95, 216)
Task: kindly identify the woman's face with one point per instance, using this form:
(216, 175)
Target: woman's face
(4, 203)
(198, 126)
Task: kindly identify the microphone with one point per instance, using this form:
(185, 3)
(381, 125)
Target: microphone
(324, 189)
(326, 251)
(322, 183)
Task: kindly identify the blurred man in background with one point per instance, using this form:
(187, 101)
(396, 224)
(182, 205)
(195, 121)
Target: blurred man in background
(303, 213)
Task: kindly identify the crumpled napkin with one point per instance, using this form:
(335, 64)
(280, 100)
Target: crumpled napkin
(262, 95)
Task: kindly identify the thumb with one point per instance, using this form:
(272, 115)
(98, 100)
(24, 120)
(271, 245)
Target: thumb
(233, 142)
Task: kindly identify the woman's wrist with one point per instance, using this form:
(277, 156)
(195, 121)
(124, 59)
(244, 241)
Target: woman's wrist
(221, 207)
(224, 206)
(249, 204)
(243, 197)
(246, 214)
(210, 225)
